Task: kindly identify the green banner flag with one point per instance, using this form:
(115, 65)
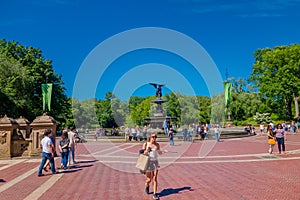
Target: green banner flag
(227, 92)
(47, 91)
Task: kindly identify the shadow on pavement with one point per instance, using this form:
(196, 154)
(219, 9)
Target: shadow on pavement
(169, 191)
(80, 166)
(86, 161)
(69, 171)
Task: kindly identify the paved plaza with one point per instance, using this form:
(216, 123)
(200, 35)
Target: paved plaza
(231, 169)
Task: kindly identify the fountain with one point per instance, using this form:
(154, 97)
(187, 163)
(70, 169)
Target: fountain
(156, 121)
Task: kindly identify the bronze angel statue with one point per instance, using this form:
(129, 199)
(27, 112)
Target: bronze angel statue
(158, 89)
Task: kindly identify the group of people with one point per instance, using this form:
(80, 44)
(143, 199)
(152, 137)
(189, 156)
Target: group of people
(202, 130)
(66, 148)
(136, 133)
(292, 127)
(276, 135)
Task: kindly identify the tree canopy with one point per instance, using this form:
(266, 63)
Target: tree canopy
(23, 70)
(276, 75)
(272, 87)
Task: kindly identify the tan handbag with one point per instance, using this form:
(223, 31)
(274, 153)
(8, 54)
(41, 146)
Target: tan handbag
(142, 162)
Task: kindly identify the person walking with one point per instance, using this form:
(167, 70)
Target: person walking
(271, 138)
(205, 132)
(127, 134)
(216, 130)
(262, 128)
(47, 147)
(190, 133)
(280, 137)
(152, 148)
(47, 164)
(71, 136)
(166, 126)
(170, 135)
(64, 149)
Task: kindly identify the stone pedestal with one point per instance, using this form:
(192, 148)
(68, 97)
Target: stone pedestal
(24, 127)
(8, 128)
(23, 148)
(39, 125)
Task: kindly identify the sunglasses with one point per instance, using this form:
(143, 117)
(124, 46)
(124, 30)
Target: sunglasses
(154, 136)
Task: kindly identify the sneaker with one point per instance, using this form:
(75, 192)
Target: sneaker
(147, 189)
(40, 175)
(55, 173)
(155, 196)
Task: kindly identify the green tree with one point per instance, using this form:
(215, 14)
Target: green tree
(13, 86)
(173, 106)
(189, 109)
(218, 109)
(133, 102)
(276, 73)
(246, 105)
(204, 109)
(37, 70)
(142, 111)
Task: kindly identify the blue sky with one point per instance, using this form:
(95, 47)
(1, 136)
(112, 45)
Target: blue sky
(69, 31)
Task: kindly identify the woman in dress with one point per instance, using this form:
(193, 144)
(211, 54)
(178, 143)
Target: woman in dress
(271, 136)
(152, 148)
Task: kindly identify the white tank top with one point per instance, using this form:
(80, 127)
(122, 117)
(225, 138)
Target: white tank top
(153, 154)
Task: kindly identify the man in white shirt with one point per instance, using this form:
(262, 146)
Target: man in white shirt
(47, 147)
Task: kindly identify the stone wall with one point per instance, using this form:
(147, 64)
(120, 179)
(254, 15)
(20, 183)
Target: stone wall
(20, 138)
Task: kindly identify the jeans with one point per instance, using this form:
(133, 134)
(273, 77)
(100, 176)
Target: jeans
(217, 137)
(64, 158)
(280, 142)
(72, 151)
(166, 130)
(46, 156)
(171, 140)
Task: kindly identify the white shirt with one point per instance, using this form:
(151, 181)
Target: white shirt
(216, 130)
(262, 127)
(45, 143)
(71, 136)
(153, 154)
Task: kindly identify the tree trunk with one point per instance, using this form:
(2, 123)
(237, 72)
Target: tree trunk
(288, 107)
(296, 106)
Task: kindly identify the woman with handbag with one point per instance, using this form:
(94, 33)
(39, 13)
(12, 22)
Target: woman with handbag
(280, 137)
(271, 138)
(152, 148)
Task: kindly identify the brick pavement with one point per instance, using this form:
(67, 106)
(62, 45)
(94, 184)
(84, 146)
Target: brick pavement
(231, 169)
